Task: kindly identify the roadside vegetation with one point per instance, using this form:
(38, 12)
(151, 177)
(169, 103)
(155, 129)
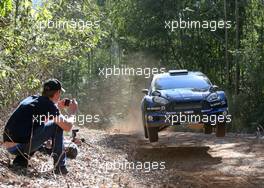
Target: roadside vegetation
(31, 51)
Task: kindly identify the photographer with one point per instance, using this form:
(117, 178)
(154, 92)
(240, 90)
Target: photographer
(36, 120)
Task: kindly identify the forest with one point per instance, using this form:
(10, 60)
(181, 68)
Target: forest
(89, 45)
(35, 46)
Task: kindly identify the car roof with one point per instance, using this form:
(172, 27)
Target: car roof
(178, 73)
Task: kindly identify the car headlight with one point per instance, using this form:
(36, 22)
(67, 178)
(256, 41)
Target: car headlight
(160, 100)
(150, 118)
(213, 97)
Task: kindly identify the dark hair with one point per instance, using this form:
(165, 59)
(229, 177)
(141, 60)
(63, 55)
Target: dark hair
(50, 87)
(49, 94)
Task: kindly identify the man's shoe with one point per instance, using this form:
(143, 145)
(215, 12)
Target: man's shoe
(20, 162)
(61, 170)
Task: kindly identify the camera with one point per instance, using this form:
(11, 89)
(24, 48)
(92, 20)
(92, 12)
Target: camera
(67, 102)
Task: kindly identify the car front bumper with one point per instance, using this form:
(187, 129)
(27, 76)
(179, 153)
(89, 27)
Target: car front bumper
(163, 118)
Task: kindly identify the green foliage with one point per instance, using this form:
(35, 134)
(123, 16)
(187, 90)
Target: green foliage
(32, 51)
(141, 24)
(33, 48)
(5, 7)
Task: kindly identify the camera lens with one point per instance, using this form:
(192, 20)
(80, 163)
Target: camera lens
(67, 102)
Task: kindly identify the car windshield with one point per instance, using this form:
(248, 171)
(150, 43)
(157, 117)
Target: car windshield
(177, 82)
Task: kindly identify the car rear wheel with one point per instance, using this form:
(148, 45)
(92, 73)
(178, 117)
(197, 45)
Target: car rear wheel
(220, 130)
(208, 128)
(153, 134)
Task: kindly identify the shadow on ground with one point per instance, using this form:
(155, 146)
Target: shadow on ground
(195, 157)
(184, 158)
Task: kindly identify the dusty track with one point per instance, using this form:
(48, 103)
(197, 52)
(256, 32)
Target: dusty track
(198, 160)
(191, 160)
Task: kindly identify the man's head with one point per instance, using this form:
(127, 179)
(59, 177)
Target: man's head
(52, 89)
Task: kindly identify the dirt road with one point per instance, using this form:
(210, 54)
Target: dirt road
(180, 159)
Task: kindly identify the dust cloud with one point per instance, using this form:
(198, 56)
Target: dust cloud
(117, 99)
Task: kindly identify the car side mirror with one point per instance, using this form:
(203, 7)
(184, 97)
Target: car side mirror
(213, 88)
(145, 91)
(156, 93)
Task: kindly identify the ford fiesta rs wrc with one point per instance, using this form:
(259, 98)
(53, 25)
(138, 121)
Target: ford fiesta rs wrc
(183, 97)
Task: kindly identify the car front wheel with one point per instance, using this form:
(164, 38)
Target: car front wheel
(145, 131)
(144, 126)
(153, 134)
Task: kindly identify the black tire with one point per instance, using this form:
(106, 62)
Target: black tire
(153, 134)
(144, 126)
(208, 129)
(145, 131)
(220, 130)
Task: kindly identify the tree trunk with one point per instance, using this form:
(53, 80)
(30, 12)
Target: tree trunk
(237, 75)
(226, 50)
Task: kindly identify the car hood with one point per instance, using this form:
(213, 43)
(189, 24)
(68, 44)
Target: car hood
(184, 94)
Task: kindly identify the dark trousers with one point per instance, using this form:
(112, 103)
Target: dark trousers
(41, 134)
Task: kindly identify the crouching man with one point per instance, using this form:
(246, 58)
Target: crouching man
(36, 120)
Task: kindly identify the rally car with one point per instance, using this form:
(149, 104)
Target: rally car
(182, 93)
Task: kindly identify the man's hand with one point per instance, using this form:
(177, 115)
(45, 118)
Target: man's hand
(73, 107)
(67, 124)
(61, 104)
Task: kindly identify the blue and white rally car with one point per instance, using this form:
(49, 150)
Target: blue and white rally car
(183, 97)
